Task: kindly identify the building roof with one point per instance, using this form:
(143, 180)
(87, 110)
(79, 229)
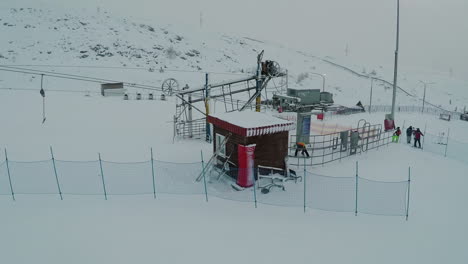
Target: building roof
(249, 123)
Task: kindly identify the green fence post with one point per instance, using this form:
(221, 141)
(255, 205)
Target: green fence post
(102, 177)
(204, 179)
(356, 196)
(152, 173)
(9, 176)
(56, 176)
(408, 196)
(305, 176)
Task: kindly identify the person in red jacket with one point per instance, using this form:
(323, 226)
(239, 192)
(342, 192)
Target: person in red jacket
(396, 135)
(417, 137)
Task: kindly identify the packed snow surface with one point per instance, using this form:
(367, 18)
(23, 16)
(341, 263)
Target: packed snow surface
(250, 119)
(172, 228)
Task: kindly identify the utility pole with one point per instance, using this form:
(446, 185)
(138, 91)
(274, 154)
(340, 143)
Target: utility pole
(395, 71)
(42, 92)
(323, 79)
(370, 97)
(207, 109)
(424, 96)
(258, 89)
(201, 20)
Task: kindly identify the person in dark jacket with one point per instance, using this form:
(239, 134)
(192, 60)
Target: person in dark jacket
(301, 146)
(409, 133)
(417, 137)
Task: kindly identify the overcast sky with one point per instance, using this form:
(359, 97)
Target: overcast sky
(434, 34)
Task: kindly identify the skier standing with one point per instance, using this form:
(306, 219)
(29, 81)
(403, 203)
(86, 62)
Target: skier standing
(417, 137)
(396, 135)
(409, 133)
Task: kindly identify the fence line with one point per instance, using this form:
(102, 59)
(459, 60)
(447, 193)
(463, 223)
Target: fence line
(443, 145)
(321, 192)
(412, 109)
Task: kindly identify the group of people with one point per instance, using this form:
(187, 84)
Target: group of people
(410, 131)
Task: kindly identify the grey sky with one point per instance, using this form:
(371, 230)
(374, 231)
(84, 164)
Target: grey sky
(434, 34)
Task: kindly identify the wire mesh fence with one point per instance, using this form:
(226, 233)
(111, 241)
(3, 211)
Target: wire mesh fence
(443, 145)
(412, 109)
(153, 177)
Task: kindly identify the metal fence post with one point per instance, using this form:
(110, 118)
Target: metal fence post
(305, 176)
(446, 145)
(204, 178)
(356, 196)
(408, 196)
(323, 150)
(389, 138)
(102, 177)
(56, 176)
(425, 126)
(152, 173)
(402, 131)
(9, 176)
(255, 190)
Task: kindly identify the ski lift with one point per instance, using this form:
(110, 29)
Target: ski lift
(169, 86)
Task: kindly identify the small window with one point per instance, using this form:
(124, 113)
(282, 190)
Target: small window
(221, 145)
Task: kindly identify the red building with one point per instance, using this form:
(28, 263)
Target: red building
(269, 135)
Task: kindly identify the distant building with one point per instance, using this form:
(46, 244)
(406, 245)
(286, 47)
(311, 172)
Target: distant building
(112, 89)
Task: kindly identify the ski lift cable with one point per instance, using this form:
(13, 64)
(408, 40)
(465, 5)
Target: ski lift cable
(74, 77)
(117, 67)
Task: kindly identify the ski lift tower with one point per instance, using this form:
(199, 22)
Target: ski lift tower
(188, 125)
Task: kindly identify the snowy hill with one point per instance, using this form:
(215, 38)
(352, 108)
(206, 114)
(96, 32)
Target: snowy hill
(95, 43)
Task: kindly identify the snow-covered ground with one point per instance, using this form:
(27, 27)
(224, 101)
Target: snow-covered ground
(184, 228)
(139, 229)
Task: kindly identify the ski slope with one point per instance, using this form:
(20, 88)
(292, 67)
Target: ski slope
(140, 229)
(185, 228)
